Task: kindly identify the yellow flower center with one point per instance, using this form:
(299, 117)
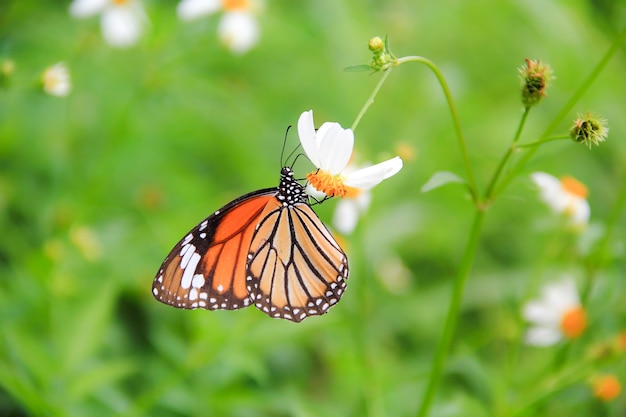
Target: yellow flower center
(50, 81)
(230, 5)
(574, 322)
(606, 388)
(331, 185)
(120, 2)
(574, 187)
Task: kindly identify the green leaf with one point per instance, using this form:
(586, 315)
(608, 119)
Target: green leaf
(104, 374)
(441, 178)
(357, 68)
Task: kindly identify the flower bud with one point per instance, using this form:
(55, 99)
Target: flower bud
(589, 130)
(536, 77)
(376, 44)
(383, 58)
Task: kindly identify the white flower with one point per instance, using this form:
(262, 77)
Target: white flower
(238, 28)
(565, 196)
(122, 21)
(329, 149)
(56, 80)
(555, 315)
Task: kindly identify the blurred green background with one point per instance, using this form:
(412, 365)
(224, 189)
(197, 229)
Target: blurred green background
(95, 189)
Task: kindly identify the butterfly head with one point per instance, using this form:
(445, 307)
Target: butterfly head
(290, 191)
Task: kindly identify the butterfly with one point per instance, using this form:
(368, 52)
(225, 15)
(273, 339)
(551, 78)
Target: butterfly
(267, 248)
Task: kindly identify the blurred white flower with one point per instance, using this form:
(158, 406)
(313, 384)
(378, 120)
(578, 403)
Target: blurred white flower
(557, 314)
(56, 80)
(122, 21)
(329, 149)
(565, 196)
(238, 28)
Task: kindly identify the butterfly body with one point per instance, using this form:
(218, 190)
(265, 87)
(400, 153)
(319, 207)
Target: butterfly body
(266, 248)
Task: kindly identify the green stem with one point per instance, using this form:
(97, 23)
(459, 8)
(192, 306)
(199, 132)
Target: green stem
(551, 387)
(539, 142)
(455, 118)
(507, 156)
(615, 46)
(598, 257)
(370, 99)
(449, 327)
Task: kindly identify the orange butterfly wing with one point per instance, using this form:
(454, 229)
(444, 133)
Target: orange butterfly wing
(300, 279)
(207, 268)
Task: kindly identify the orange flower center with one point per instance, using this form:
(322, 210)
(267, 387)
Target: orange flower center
(331, 185)
(606, 388)
(230, 5)
(352, 192)
(120, 2)
(574, 322)
(574, 187)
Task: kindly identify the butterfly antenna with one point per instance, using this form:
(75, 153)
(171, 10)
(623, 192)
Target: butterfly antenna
(297, 156)
(282, 152)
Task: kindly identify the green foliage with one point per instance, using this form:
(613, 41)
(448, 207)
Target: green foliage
(96, 187)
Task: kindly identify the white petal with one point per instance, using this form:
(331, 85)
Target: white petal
(121, 26)
(86, 8)
(346, 216)
(580, 212)
(306, 133)
(545, 181)
(562, 295)
(540, 312)
(193, 9)
(551, 191)
(239, 31)
(335, 147)
(348, 211)
(542, 336)
(315, 193)
(363, 201)
(370, 176)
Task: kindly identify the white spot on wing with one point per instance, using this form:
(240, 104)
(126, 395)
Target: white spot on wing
(185, 282)
(186, 253)
(197, 281)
